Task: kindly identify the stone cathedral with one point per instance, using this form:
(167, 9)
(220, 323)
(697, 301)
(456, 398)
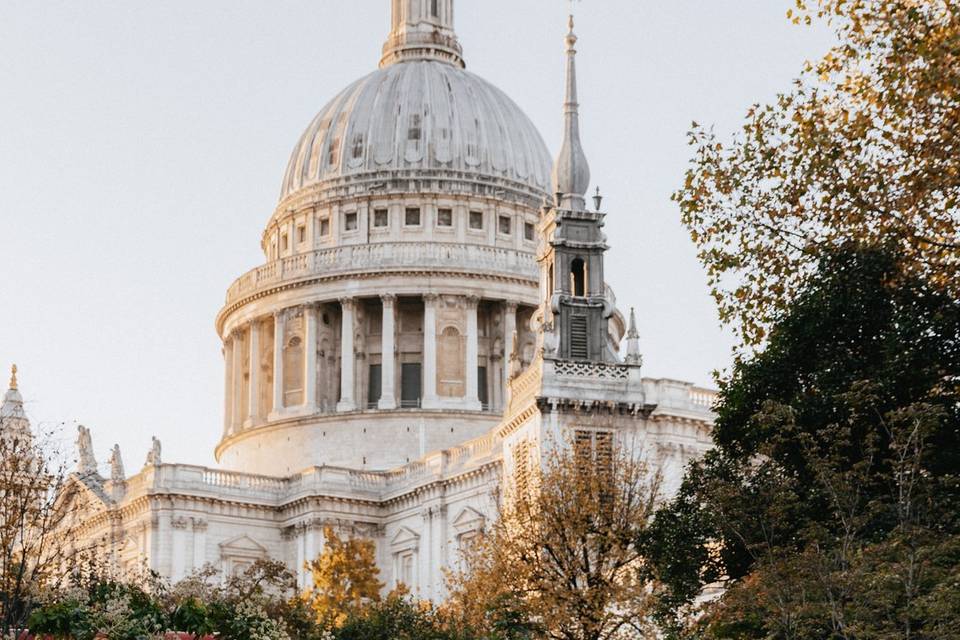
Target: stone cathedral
(431, 313)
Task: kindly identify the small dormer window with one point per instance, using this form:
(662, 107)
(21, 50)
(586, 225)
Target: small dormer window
(381, 218)
(476, 220)
(284, 242)
(324, 227)
(529, 233)
(350, 221)
(504, 226)
(444, 217)
(412, 217)
(301, 234)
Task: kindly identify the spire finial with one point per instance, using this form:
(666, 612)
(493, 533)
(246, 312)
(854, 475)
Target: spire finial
(633, 340)
(571, 173)
(13, 377)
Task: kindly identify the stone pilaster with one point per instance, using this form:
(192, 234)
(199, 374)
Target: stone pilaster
(388, 368)
(254, 386)
(228, 385)
(347, 356)
(279, 329)
(310, 358)
(471, 397)
(430, 400)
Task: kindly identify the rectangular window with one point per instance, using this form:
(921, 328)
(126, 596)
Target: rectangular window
(476, 220)
(410, 385)
(284, 242)
(593, 450)
(350, 221)
(301, 234)
(435, 8)
(444, 217)
(375, 386)
(381, 218)
(412, 217)
(529, 233)
(482, 391)
(504, 225)
(324, 227)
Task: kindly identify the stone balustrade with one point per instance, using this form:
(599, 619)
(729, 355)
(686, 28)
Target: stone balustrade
(335, 481)
(386, 256)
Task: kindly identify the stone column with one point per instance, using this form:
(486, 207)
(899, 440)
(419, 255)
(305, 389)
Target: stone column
(236, 420)
(279, 329)
(509, 328)
(430, 399)
(254, 388)
(347, 357)
(228, 385)
(310, 358)
(388, 368)
(471, 397)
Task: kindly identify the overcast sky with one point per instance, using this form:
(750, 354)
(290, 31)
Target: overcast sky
(142, 145)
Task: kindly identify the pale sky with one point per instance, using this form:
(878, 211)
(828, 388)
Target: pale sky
(142, 145)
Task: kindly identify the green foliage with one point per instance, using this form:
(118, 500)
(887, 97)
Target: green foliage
(828, 507)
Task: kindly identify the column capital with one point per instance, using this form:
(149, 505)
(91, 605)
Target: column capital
(472, 301)
(348, 301)
(510, 307)
(388, 298)
(280, 314)
(431, 298)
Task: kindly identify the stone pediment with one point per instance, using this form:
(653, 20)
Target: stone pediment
(469, 519)
(242, 547)
(404, 539)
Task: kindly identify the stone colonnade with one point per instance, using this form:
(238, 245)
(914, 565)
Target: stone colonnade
(245, 346)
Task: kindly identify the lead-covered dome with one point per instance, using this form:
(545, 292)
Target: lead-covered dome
(420, 115)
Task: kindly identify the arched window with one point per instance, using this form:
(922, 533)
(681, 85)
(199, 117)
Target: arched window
(578, 277)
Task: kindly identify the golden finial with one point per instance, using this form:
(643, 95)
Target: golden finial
(13, 377)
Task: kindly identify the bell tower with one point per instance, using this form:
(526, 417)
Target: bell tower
(576, 308)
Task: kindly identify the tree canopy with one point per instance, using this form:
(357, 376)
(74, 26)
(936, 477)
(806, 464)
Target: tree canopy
(864, 146)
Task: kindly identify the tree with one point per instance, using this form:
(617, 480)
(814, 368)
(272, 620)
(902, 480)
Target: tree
(828, 507)
(35, 516)
(864, 146)
(562, 560)
(345, 579)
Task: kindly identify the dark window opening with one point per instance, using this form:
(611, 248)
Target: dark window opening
(412, 218)
(505, 226)
(375, 386)
(410, 385)
(578, 277)
(435, 8)
(350, 221)
(482, 391)
(476, 220)
(444, 217)
(529, 233)
(380, 218)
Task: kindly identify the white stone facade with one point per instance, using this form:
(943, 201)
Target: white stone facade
(411, 343)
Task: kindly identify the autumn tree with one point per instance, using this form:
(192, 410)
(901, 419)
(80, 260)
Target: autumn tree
(35, 516)
(863, 146)
(345, 579)
(561, 561)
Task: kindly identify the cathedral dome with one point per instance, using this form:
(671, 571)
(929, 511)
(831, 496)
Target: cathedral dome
(420, 115)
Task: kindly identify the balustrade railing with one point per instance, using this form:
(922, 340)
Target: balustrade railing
(388, 255)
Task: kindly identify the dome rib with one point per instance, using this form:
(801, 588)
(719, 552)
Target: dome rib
(419, 115)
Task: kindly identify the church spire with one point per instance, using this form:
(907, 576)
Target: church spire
(633, 340)
(571, 173)
(422, 30)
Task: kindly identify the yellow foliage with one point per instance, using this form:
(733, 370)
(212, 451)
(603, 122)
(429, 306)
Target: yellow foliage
(345, 579)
